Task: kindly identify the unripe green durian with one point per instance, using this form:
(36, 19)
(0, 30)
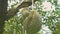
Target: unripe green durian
(32, 23)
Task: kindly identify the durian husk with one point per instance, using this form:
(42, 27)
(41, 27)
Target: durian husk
(32, 23)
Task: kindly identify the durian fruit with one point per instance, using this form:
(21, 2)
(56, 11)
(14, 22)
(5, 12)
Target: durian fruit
(32, 23)
(25, 13)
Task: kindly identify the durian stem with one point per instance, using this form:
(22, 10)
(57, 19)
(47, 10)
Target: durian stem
(32, 4)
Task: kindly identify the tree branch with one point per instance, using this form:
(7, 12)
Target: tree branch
(15, 9)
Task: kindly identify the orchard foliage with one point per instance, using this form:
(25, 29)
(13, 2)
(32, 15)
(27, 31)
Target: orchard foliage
(49, 11)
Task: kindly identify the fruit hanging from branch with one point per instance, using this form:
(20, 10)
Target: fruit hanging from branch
(32, 23)
(25, 13)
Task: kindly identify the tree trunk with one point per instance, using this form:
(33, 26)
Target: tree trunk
(3, 16)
